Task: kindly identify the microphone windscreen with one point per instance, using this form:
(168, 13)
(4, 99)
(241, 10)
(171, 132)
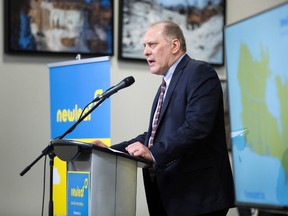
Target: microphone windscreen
(129, 80)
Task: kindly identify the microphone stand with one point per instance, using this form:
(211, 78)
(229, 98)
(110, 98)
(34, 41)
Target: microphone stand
(49, 151)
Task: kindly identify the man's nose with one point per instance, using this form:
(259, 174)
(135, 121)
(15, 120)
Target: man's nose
(146, 51)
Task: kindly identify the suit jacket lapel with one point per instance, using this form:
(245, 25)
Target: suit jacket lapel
(176, 75)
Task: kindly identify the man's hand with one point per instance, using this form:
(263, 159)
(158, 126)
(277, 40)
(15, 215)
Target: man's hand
(137, 149)
(99, 143)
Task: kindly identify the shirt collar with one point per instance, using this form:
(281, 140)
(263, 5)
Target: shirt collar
(170, 72)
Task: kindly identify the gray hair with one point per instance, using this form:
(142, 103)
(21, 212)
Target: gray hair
(171, 31)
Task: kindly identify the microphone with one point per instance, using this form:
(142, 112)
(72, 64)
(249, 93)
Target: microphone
(112, 90)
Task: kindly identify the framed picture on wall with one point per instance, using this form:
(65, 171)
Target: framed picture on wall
(59, 27)
(202, 22)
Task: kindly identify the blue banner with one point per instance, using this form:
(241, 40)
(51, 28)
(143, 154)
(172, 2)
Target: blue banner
(73, 85)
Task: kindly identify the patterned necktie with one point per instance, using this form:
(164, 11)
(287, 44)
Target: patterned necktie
(157, 113)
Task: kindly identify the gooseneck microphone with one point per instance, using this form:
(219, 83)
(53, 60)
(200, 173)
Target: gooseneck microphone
(112, 90)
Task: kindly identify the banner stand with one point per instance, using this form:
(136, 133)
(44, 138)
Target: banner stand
(73, 84)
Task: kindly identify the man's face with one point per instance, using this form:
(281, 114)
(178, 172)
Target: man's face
(157, 50)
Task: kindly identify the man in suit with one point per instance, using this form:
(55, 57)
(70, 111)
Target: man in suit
(191, 173)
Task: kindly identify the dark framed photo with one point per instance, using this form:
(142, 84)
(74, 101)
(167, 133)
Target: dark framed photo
(202, 22)
(59, 27)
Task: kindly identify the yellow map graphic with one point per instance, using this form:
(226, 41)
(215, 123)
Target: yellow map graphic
(266, 134)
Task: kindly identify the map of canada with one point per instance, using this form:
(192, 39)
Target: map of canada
(266, 135)
(257, 78)
(265, 132)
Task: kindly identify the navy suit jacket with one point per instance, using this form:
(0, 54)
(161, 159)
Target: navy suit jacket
(192, 165)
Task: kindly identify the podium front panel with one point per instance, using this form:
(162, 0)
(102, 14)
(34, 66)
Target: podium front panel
(126, 186)
(103, 180)
(112, 183)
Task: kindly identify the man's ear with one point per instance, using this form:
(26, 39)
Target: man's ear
(175, 45)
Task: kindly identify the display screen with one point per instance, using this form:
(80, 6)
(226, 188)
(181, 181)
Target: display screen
(257, 77)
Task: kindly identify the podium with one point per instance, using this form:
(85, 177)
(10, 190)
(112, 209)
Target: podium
(100, 181)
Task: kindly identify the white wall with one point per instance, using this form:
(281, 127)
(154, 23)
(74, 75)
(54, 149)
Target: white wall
(24, 115)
